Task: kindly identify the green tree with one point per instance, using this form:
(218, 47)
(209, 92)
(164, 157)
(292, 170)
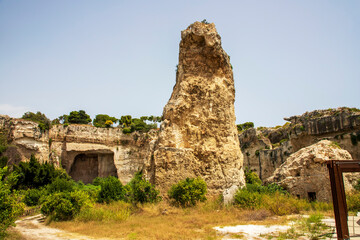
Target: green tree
(125, 121)
(10, 209)
(101, 119)
(40, 118)
(79, 117)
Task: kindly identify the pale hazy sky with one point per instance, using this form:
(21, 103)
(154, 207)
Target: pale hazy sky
(119, 57)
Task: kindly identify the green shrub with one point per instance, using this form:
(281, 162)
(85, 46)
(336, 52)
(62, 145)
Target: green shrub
(32, 174)
(32, 196)
(62, 206)
(127, 130)
(252, 177)
(58, 206)
(353, 201)
(40, 118)
(189, 191)
(61, 185)
(10, 208)
(248, 200)
(245, 126)
(90, 189)
(111, 190)
(141, 191)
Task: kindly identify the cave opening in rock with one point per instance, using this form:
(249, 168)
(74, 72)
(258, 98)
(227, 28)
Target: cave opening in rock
(87, 166)
(312, 196)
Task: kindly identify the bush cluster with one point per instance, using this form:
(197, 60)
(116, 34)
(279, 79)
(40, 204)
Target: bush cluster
(40, 118)
(130, 124)
(245, 126)
(188, 192)
(138, 190)
(32, 174)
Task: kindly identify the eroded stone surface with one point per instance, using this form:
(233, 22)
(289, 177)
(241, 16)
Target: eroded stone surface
(305, 172)
(84, 151)
(265, 149)
(198, 136)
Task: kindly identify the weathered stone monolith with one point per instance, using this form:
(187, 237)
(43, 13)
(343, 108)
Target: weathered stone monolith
(198, 136)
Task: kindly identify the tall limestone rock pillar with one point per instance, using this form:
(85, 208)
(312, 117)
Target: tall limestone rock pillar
(198, 136)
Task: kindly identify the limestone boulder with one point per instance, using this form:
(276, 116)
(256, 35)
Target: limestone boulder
(198, 136)
(305, 173)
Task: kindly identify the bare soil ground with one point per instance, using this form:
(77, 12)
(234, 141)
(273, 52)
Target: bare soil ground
(33, 228)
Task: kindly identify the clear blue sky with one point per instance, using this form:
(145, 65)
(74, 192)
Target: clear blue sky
(119, 57)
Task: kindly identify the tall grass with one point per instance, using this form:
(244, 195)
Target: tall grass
(115, 211)
(275, 200)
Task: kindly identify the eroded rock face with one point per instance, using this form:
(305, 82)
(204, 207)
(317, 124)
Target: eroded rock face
(305, 172)
(265, 149)
(84, 151)
(198, 136)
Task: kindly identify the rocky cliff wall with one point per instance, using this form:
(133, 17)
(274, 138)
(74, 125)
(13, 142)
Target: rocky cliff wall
(84, 151)
(265, 149)
(198, 136)
(305, 173)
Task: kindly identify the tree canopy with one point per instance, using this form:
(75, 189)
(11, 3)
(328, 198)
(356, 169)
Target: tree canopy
(103, 120)
(79, 117)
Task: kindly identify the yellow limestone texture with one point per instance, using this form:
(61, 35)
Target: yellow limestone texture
(198, 136)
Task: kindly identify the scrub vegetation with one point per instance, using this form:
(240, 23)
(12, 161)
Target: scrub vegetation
(108, 208)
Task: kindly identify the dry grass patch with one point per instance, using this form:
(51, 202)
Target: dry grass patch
(162, 221)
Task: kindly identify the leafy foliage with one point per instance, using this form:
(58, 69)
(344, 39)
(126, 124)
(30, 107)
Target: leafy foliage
(130, 124)
(61, 185)
(252, 177)
(32, 196)
(111, 190)
(141, 190)
(104, 121)
(353, 201)
(62, 206)
(40, 118)
(32, 174)
(245, 126)
(189, 191)
(79, 117)
(3, 147)
(10, 209)
(248, 199)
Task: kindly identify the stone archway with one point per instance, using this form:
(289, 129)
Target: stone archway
(87, 166)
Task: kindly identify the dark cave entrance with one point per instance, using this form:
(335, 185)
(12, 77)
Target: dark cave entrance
(312, 196)
(87, 166)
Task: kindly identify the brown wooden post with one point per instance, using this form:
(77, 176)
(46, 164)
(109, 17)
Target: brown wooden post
(339, 200)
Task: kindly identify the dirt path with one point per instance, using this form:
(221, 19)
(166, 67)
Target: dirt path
(33, 228)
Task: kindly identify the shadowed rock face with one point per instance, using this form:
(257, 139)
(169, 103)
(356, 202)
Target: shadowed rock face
(198, 136)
